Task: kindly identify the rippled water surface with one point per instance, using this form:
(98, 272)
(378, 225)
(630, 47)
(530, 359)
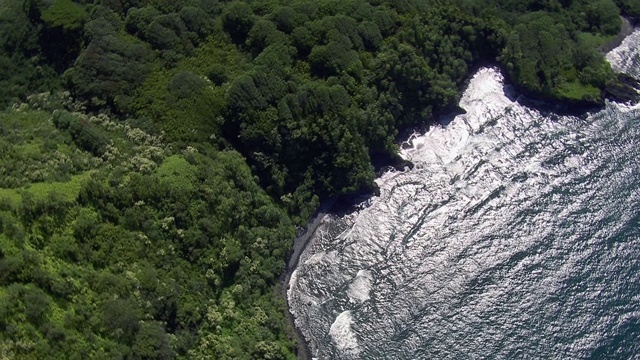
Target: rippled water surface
(516, 235)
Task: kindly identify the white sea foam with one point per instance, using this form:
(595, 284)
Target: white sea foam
(484, 100)
(342, 334)
(476, 245)
(626, 56)
(360, 288)
(316, 258)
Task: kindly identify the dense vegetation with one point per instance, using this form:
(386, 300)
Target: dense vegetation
(141, 252)
(156, 156)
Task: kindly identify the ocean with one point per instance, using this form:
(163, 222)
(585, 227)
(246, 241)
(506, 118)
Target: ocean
(516, 235)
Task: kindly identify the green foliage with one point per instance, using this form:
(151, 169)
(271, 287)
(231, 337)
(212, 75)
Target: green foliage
(303, 39)
(152, 342)
(186, 84)
(22, 71)
(544, 58)
(331, 59)
(244, 95)
(287, 18)
(111, 66)
(629, 8)
(156, 225)
(33, 150)
(85, 134)
(197, 21)
(65, 14)
(187, 104)
(138, 20)
(138, 270)
(262, 34)
(371, 36)
(217, 74)
(177, 172)
(237, 20)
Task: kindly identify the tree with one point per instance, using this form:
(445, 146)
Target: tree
(331, 59)
(304, 40)
(371, 36)
(138, 20)
(65, 14)
(237, 20)
(602, 16)
(286, 18)
(110, 66)
(121, 317)
(197, 21)
(186, 84)
(151, 343)
(262, 34)
(244, 95)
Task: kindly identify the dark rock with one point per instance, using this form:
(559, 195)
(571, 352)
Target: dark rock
(629, 80)
(623, 90)
(634, 20)
(401, 164)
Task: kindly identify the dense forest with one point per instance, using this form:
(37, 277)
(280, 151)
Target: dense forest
(157, 157)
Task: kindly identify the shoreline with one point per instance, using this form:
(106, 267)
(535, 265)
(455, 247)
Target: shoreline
(345, 203)
(300, 243)
(337, 205)
(626, 29)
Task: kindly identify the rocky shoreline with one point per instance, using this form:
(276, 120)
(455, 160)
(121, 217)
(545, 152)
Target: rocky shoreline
(625, 90)
(300, 243)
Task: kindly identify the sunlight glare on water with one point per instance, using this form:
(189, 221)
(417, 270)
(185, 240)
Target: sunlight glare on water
(516, 235)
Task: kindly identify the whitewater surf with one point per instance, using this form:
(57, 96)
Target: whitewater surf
(516, 235)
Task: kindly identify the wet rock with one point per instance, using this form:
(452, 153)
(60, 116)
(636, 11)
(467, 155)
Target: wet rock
(624, 90)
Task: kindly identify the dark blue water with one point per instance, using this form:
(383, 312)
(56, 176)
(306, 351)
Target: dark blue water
(517, 235)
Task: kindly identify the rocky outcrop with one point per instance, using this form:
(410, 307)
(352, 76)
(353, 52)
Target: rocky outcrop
(623, 90)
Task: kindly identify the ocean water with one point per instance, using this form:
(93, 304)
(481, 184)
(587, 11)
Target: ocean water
(516, 235)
